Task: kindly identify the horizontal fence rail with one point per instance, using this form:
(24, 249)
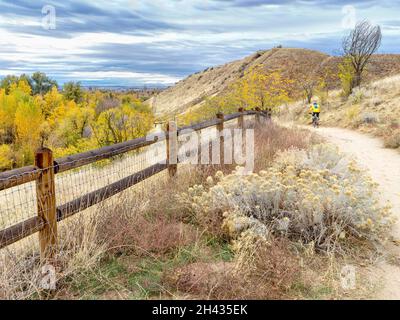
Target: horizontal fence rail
(46, 196)
(90, 199)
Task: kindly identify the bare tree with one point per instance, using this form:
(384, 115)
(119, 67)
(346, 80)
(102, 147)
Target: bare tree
(362, 42)
(309, 82)
(308, 86)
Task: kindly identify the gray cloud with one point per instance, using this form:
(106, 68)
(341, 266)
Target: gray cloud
(175, 38)
(91, 18)
(320, 3)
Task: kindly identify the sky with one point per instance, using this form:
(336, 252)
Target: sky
(158, 42)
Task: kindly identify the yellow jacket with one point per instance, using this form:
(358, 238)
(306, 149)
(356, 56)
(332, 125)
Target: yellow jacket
(315, 107)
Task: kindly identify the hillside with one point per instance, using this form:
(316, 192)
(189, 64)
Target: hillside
(294, 64)
(373, 109)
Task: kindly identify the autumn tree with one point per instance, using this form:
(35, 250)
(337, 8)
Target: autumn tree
(28, 126)
(358, 47)
(73, 91)
(12, 80)
(41, 83)
(346, 76)
(8, 105)
(107, 103)
(121, 124)
(6, 82)
(21, 87)
(66, 121)
(51, 101)
(265, 90)
(308, 86)
(6, 157)
(72, 123)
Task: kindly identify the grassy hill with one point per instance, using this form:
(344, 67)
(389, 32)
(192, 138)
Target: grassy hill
(295, 64)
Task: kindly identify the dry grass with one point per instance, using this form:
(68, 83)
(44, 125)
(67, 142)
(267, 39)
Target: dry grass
(274, 138)
(271, 274)
(143, 222)
(142, 235)
(143, 244)
(22, 274)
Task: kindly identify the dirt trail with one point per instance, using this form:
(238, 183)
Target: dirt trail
(384, 167)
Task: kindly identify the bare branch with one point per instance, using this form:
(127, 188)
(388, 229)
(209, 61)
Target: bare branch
(360, 45)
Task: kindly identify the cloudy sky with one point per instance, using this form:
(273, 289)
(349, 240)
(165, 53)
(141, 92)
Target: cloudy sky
(158, 42)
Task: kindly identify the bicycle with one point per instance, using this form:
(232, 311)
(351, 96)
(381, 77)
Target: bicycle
(315, 121)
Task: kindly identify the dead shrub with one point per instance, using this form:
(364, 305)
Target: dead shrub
(198, 278)
(126, 231)
(271, 272)
(275, 264)
(271, 138)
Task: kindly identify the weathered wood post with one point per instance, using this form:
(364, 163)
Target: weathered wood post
(258, 121)
(241, 119)
(172, 148)
(46, 204)
(220, 129)
(241, 122)
(269, 114)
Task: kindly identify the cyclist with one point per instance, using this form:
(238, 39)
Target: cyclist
(315, 110)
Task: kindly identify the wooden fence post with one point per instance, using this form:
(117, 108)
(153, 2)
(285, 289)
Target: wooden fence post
(258, 121)
(241, 119)
(46, 204)
(220, 129)
(172, 148)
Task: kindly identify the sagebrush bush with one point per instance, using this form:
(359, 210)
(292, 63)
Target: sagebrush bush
(369, 118)
(315, 196)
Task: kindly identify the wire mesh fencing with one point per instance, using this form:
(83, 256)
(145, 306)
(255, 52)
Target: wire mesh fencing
(85, 184)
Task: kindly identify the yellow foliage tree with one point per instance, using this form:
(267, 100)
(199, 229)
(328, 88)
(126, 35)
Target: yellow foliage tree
(67, 127)
(8, 105)
(6, 161)
(28, 122)
(262, 90)
(255, 89)
(52, 100)
(72, 120)
(22, 86)
(346, 76)
(121, 124)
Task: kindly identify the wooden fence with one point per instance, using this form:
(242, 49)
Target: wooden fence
(45, 169)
